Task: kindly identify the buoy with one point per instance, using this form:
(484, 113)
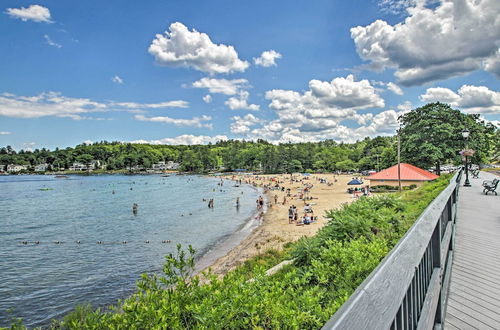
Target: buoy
(78, 242)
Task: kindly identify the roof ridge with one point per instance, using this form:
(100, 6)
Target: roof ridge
(408, 172)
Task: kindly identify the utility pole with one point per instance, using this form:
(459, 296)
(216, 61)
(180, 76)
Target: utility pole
(399, 162)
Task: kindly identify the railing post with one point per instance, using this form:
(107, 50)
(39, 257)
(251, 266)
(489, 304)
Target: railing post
(437, 262)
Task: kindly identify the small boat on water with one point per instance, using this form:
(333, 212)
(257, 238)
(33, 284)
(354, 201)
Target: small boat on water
(61, 176)
(165, 175)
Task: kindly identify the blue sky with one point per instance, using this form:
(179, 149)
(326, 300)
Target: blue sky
(178, 72)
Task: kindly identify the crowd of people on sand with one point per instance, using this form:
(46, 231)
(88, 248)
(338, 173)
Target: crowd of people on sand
(307, 218)
(276, 184)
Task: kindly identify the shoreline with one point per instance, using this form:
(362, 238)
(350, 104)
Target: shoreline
(275, 230)
(231, 241)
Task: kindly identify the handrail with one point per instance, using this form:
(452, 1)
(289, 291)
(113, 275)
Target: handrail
(409, 288)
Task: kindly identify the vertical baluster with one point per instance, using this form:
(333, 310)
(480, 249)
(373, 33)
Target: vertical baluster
(399, 320)
(415, 301)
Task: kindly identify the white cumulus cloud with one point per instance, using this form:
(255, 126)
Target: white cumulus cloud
(319, 113)
(241, 102)
(180, 47)
(221, 86)
(394, 88)
(5, 133)
(185, 139)
(459, 37)
(267, 58)
(241, 125)
(207, 98)
(34, 13)
(471, 99)
(117, 79)
(405, 106)
(194, 122)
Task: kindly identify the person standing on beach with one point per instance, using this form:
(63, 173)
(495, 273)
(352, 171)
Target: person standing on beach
(290, 214)
(275, 199)
(237, 202)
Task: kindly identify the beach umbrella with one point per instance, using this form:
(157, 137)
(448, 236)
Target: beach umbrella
(354, 182)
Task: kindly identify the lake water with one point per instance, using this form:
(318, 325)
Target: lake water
(42, 281)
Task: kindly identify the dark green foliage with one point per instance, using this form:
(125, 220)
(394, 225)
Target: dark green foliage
(228, 155)
(304, 295)
(432, 135)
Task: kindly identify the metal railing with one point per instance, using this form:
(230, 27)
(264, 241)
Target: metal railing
(409, 288)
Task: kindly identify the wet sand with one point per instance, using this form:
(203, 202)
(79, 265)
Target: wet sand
(275, 229)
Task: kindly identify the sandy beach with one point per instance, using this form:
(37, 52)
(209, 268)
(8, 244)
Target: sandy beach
(275, 229)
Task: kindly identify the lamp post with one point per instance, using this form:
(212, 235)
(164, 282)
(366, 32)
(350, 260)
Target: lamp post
(465, 134)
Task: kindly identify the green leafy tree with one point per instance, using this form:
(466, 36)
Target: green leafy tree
(432, 135)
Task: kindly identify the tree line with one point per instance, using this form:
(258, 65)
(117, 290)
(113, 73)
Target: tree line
(430, 136)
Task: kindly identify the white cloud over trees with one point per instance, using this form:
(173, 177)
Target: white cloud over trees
(471, 99)
(186, 139)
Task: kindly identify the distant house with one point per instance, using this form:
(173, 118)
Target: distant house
(135, 168)
(409, 175)
(16, 168)
(96, 164)
(41, 167)
(160, 166)
(81, 167)
(172, 165)
(2, 168)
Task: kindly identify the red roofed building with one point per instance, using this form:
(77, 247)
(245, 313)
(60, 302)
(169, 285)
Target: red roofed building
(409, 175)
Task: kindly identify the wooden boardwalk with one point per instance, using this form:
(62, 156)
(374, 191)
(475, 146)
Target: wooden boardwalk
(474, 295)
